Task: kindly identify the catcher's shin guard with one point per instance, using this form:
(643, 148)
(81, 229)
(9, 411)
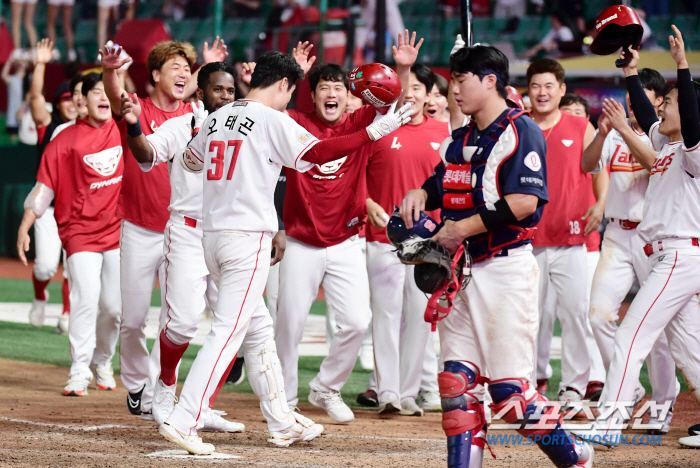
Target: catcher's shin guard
(463, 417)
(541, 424)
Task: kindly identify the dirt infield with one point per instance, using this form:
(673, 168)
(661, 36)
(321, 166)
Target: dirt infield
(39, 427)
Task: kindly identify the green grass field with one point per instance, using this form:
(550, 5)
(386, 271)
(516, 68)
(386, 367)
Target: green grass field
(22, 342)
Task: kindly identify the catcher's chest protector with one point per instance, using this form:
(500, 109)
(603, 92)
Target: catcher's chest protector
(468, 180)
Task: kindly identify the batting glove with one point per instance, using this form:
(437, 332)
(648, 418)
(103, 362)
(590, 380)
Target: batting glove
(384, 125)
(199, 115)
(459, 44)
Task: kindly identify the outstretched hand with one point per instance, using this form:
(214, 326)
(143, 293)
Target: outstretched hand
(630, 68)
(130, 108)
(407, 52)
(111, 58)
(678, 48)
(247, 72)
(614, 113)
(44, 51)
(217, 53)
(301, 55)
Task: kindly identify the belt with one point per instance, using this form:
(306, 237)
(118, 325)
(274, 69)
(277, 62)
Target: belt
(669, 244)
(625, 224)
(179, 218)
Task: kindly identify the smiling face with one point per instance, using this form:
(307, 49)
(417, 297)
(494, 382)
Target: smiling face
(98, 108)
(173, 77)
(436, 105)
(220, 90)
(417, 96)
(79, 100)
(330, 99)
(575, 108)
(655, 101)
(670, 117)
(545, 93)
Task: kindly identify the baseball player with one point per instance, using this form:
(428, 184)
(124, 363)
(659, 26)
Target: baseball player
(407, 159)
(559, 246)
(493, 204)
(188, 290)
(670, 228)
(82, 171)
(622, 145)
(143, 205)
(242, 148)
(48, 243)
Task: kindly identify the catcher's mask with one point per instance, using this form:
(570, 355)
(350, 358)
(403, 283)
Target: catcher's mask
(431, 280)
(617, 26)
(397, 232)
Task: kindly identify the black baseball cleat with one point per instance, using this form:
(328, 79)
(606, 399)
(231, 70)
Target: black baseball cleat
(369, 398)
(237, 373)
(133, 402)
(694, 430)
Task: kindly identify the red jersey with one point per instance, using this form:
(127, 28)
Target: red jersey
(400, 162)
(325, 205)
(568, 186)
(145, 196)
(83, 165)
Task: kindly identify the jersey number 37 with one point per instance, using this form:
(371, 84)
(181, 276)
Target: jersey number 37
(218, 151)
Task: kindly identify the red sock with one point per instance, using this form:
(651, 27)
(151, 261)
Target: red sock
(170, 355)
(39, 288)
(65, 291)
(221, 383)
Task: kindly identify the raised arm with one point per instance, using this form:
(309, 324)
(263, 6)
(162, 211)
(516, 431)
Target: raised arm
(37, 102)
(405, 56)
(217, 53)
(687, 94)
(642, 107)
(591, 155)
(6, 71)
(615, 114)
(138, 143)
(111, 62)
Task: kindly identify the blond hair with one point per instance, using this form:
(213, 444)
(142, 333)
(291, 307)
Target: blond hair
(164, 51)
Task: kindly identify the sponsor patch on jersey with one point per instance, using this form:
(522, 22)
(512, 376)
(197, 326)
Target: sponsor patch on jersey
(568, 143)
(305, 137)
(531, 181)
(372, 99)
(240, 104)
(353, 222)
(105, 162)
(533, 161)
(332, 166)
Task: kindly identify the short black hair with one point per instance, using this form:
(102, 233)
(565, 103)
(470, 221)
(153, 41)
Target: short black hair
(89, 82)
(696, 85)
(571, 98)
(272, 67)
(213, 67)
(442, 84)
(74, 82)
(481, 61)
(328, 72)
(653, 81)
(546, 65)
(425, 75)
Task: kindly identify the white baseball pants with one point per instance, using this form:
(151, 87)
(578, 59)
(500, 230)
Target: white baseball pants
(47, 245)
(93, 329)
(428, 380)
(141, 260)
(623, 260)
(496, 332)
(272, 290)
(401, 332)
(667, 301)
(562, 269)
(341, 270)
(239, 263)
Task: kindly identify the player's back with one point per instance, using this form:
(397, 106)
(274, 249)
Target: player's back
(244, 146)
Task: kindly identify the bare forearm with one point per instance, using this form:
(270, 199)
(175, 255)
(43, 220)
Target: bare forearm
(644, 154)
(28, 220)
(37, 103)
(142, 151)
(404, 73)
(591, 155)
(601, 183)
(113, 90)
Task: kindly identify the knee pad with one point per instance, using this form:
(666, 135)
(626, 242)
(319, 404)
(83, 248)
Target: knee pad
(264, 367)
(539, 423)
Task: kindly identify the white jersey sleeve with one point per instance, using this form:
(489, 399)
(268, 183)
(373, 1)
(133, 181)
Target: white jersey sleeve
(289, 141)
(657, 139)
(169, 140)
(691, 159)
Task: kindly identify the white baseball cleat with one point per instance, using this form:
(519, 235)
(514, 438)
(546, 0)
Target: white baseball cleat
(333, 404)
(389, 403)
(213, 422)
(662, 425)
(639, 393)
(77, 386)
(163, 401)
(592, 436)
(690, 441)
(104, 377)
(37, 312)
(192, 444)
(410, 408)
(585, 454)
(430, 401)
(303, 430)
(62, 325)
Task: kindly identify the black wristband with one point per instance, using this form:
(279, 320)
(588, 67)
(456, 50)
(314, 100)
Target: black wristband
(134, 130)
(499, 218)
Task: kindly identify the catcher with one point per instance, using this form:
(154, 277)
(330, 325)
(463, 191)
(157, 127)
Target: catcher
(491, 187)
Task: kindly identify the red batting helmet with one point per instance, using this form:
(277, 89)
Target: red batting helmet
(617, 26)
(514, 99)
(376, 84)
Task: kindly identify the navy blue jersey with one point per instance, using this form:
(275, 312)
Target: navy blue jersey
(481, 167)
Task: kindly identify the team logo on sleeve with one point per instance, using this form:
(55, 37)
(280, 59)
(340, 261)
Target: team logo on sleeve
(533, 162)
(105, 162)
(305, 137)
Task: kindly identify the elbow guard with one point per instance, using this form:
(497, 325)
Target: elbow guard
(499, 218)
(190, 162)
(39, 199)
